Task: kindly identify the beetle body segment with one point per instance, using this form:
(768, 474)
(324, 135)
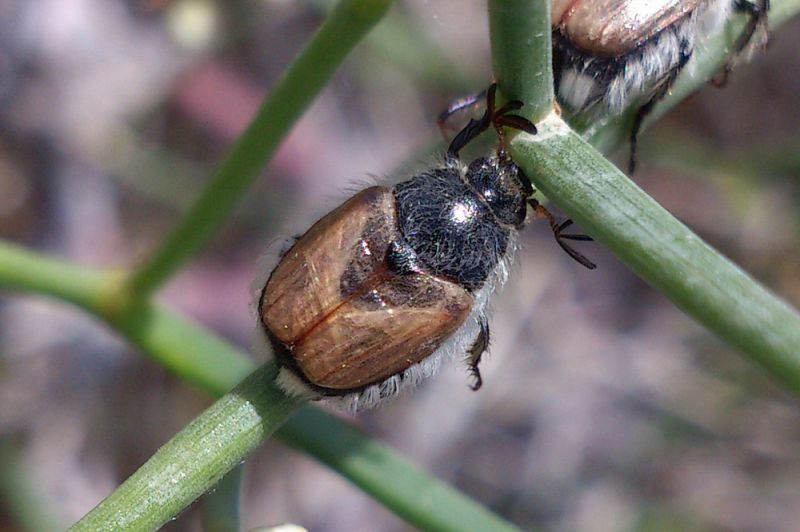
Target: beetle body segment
(611, 28)
(360, 322)
(612, 54)
(609, 53)
(376, 292)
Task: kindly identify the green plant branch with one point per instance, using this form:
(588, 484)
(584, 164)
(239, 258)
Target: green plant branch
(27, 507)
(202, 358)
(661, 250)
(347, 24)
(598, 202)
(221, 507)
(194, 460)
(397, 483)
(522, 54)
(655, 245)
(29, 271)
(399, 42)
(182, 347)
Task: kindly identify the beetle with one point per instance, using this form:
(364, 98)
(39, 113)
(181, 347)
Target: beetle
(610, 54)
(377, 292)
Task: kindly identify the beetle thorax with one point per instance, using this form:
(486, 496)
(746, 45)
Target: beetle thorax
(458, 220)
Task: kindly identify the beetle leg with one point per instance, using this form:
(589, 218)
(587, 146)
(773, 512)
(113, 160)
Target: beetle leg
(455, 107)
(516, 122)
(479, 347)
(757, 20)
(658, 95)
(470, 131)
(498, 118)
(558, 229)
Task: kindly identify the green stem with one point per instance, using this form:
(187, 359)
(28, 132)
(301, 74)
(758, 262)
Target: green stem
(660, 249)
(522, 53)
(424, 504)
(652, 242)
(221, 507)
(291, 96)
(194, 460)
(182, 347)
(29, 271)
(202, 358)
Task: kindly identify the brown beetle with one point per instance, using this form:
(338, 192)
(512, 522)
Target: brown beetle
(609, 54)
(371, 298)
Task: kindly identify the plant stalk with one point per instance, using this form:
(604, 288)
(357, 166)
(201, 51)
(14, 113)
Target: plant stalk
(195, 459)
(522, 55)
(292, 95)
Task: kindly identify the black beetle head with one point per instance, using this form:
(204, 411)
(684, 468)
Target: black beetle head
(503, 186)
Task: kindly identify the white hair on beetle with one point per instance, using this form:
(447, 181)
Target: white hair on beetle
(642, 72)
(455, 347)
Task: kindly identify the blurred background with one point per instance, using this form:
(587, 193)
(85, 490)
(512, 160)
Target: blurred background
(603, 407)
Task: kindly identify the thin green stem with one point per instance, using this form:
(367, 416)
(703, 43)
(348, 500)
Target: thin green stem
(522, 53)
(291, 96)
(25, 270)
(200, 357)
(182, 347)
(194, 460)
(424, 504)
(399, 42)
(660, 249)
(655, 245)
(647, 238)
(222, 506)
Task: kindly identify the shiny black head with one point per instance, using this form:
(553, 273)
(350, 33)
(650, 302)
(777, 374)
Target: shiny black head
(503, 187)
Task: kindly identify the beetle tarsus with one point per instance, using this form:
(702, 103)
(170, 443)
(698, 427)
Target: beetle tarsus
(559, 235)
(479, 347)
(757, 19)
(633, 140)
(517, 122)
(499, 118)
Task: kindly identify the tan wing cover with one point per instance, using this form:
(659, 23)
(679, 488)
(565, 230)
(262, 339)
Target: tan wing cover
(398, 323)
(306, 285)
(348, 321)
(616, 27)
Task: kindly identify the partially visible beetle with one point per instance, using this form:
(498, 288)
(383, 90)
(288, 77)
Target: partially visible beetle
(372, 297)
(610, 54)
